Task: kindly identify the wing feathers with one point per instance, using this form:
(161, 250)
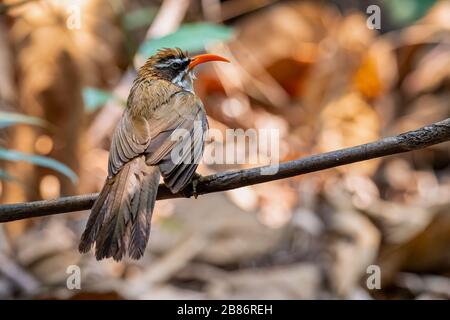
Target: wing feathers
(178, 172)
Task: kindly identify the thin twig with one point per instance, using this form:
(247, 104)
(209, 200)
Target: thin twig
(409, 141)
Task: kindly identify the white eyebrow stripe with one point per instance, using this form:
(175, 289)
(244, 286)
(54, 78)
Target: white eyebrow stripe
(164, 64)
(179, 60)
(170, 62)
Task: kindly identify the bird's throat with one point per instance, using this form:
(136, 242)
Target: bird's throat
(185, 80)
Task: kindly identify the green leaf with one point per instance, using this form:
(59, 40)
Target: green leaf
(191, 37)
(404, 12)
(94, 98)
(139, 18)
(11, 118)
(12, 155)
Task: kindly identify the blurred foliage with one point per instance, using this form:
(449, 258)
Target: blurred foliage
(42, 161)
(403, 12)
(11, 118)
(313, 71)
(94, 98)
(192, 37)
(5, 176)
(138, 18)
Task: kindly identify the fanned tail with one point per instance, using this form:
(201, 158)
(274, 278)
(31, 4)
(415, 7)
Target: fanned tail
(120, 219)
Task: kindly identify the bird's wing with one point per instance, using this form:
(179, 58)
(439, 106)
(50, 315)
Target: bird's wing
(130, 139)
(178, 146)
(171, 137)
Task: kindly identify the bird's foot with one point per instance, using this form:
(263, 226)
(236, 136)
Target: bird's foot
(195, 180)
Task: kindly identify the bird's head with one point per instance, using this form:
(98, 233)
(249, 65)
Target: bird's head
(176, 66)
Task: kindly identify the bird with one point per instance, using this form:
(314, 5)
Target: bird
(160, 133)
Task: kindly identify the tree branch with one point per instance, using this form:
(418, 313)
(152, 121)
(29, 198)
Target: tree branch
(409, 141)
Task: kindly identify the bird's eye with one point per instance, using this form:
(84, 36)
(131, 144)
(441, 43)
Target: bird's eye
(176, 65)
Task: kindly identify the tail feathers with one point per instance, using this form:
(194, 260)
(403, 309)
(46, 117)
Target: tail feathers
(140, 227)
(120, 219)
(95, 219)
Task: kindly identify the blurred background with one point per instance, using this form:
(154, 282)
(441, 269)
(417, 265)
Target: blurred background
(314, 70)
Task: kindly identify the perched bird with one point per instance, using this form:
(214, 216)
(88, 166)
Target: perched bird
(161, 103)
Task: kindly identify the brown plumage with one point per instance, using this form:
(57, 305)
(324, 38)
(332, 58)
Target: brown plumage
(161, 101)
